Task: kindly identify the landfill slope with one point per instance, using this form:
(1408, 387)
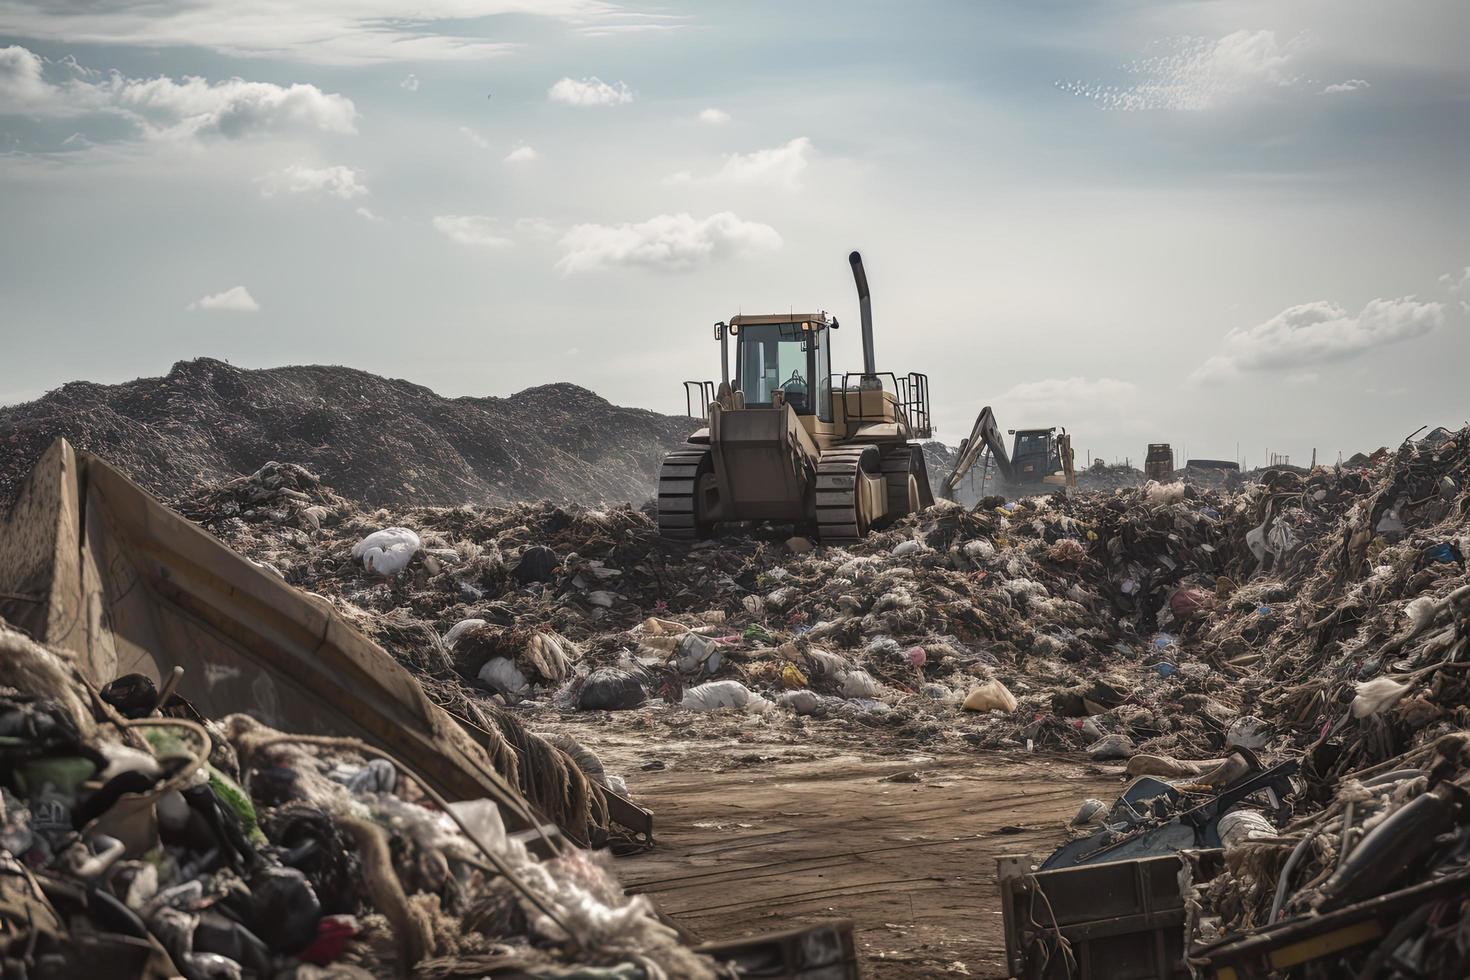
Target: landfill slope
(379, 440)
(1317, 619)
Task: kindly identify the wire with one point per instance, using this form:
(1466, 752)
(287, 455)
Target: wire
(1063, 945)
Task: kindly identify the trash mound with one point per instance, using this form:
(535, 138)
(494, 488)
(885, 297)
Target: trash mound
(1277, 670)
(1108, 476)
(1336, 835)
(136, 834)
(1052, 603)
(1277, 667)
(375, 439)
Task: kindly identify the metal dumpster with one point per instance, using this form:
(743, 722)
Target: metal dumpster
(1122, 920)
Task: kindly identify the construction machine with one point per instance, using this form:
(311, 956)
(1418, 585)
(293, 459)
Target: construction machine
(785, 439)
(1159, 462)
(1037, 457)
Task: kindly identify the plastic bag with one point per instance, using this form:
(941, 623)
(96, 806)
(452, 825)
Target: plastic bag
(502, 674)
(991, 696)
(387, 552)
(724, 694)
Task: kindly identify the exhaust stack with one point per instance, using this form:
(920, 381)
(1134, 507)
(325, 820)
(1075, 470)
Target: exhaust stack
(861, 278)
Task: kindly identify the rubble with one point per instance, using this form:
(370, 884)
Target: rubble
(1274, 667)
(1344, 623)
(209, 773)
(1313, 618)
(176, 845)
(1057, 600)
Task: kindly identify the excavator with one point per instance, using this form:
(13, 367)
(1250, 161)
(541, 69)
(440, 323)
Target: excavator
(1038, 457)
(785, 439)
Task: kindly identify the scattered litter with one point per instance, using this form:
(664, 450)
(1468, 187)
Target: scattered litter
(990, 696)
(388, 551)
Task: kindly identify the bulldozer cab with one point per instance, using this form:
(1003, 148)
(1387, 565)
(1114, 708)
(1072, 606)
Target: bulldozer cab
(1035, 454)
(789, 355)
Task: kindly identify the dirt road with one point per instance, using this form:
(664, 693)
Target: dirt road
(754, 837)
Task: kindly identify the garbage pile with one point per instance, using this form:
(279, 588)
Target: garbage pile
(1336, 603)
(1312, 622)
(1110, 476)
(1277, 668)
(1036, 623)
(138, 838)
(1362, 672)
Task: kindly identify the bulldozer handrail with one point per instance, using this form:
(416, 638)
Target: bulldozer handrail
(706, 394)
(914, 399)
(910, 394)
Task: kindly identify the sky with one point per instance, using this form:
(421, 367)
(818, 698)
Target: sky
(1237, 226)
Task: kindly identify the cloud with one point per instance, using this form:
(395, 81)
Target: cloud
(369, 215)
(589, 92)
(522, 154)
(339, 32)
(472, 229)
(780, 166)
(1456, 281)
(410, 83)
(1302, 336)
(714, 117)
(236, 299)
(668, 243)
(339, 181)
(22, 87)
(538, 228)
(163, 108)
(233, 108)
(1034, 402)
(1194, 73)
(1351, 85)
(635, 23)
(474, 137)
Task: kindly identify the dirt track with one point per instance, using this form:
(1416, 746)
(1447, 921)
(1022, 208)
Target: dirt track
(759, 837)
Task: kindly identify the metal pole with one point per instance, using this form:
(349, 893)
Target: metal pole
(724, 331)
(865, 305)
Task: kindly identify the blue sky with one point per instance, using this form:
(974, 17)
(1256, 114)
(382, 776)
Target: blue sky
(1209, 223)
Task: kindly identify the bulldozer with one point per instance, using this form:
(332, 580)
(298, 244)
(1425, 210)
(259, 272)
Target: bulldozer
(787, 440)
(1038, 457)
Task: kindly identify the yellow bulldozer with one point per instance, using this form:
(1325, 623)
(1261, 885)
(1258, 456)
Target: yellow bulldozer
(785, 439)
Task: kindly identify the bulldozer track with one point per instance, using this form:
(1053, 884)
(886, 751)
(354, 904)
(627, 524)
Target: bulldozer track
(838, 518)
(678, 482)
(898, 466)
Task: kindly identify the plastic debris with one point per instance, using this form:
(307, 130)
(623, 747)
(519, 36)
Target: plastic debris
(387, 552)
(1114, 746)
(990, 696)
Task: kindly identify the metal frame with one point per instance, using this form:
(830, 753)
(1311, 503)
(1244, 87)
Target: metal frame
(1313, 938)
(910, 392)
(706, 394)
(914, 398)
(1119, 918)
(813, 340)
(821, 951)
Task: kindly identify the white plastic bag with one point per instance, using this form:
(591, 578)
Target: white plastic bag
(387, 552)
(503, 675)
(724, 694)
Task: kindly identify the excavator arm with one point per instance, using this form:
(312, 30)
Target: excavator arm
(984, 435)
